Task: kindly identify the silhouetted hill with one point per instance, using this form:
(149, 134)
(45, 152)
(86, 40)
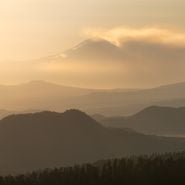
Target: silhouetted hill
(50, 139)
(166, 169)
(5, 113)
(153, 120)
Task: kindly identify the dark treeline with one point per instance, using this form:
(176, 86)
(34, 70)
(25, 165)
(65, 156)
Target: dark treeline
(156, 169)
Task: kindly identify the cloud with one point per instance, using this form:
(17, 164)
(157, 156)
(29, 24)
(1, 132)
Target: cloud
(121, 35)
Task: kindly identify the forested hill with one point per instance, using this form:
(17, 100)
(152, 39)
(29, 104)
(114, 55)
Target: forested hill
(167, 169)
(48, 139)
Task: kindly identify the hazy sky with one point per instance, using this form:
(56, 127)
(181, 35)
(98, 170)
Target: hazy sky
(36, 28)
(149, 36)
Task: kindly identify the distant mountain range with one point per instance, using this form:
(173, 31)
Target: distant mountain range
(127, 103)
(49, 139)
(41, 95)
(152, 120)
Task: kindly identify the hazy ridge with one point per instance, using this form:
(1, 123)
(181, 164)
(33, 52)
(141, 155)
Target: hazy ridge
(50, 139)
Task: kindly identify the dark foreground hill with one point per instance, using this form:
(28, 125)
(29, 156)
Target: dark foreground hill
(167, 169)
(152, 120)
(50, 139)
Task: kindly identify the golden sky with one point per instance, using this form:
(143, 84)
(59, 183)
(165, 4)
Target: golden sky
(147, 38)
(37, 28)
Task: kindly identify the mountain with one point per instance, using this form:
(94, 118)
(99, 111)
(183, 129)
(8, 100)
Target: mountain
(152, 120)
(93, 50)
(49, 139)
(41, 95)
(131, 63)
(127, 103)
(87, 50)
